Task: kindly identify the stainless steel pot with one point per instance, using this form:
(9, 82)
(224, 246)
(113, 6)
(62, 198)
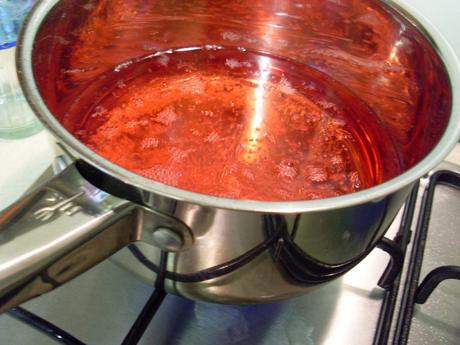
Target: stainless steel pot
(220, 250)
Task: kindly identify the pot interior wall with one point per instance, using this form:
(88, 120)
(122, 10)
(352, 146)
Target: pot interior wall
(364, 45)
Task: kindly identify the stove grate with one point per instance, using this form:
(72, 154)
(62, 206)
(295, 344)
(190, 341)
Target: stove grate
(46, 327)
(412, 293)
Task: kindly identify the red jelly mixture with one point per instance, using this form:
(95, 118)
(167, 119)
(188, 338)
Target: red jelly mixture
(237, 124)
(246, 99)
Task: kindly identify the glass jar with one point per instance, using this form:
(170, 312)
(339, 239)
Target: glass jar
(17, 120)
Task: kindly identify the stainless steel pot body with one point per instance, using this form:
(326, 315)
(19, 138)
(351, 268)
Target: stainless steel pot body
(220, 250)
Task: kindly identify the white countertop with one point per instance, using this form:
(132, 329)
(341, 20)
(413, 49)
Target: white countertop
(22, 161)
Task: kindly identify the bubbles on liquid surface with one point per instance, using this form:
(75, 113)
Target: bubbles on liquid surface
(167, 116)
(230, 36)
(163, 60)
(193, 85)
(235, 123)
(212, 137)
(285, 86)
(233, 63)
(149, 143)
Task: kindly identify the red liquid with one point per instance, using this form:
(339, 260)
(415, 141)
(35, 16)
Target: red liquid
(319, 140)
(238, 124)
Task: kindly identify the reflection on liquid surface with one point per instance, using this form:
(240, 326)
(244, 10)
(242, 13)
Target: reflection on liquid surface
(345, 95)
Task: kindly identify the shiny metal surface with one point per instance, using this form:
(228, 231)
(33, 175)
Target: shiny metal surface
(263, 278)
(167, 239)
(73, 213)
(224, 235)
(342, 312)
(62, 229)
(163, 193)
(48, 236)
(328, 237)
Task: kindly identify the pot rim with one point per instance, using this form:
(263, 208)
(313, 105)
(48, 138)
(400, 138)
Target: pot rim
(376, 193)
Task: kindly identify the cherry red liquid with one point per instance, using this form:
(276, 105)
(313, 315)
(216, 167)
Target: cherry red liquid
(240, 123)
(235, 123)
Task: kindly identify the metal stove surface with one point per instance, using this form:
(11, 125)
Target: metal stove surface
(100, 306)
(438, 320)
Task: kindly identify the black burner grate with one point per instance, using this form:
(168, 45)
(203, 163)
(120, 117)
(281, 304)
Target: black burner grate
(402, 240)
(412, 293)
(44, 326)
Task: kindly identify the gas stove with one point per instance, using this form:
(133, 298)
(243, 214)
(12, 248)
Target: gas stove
(375, 303)
(386, 299)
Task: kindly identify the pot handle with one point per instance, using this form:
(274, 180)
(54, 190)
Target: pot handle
(57, 232)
